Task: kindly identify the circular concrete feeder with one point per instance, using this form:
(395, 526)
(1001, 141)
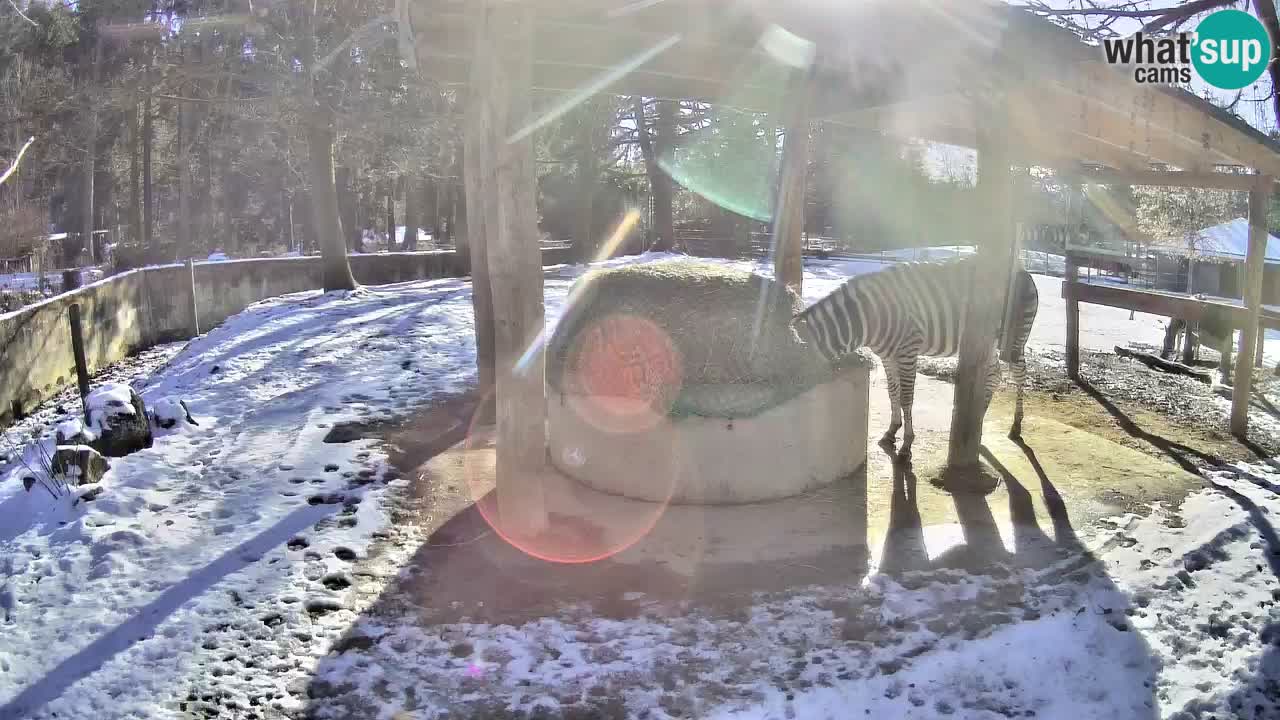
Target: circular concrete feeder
(685, 382)
(804, 443)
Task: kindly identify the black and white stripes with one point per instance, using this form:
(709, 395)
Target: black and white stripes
(910, 310)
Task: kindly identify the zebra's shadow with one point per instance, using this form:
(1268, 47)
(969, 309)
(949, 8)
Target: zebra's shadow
(1027, 591)
(983, 547)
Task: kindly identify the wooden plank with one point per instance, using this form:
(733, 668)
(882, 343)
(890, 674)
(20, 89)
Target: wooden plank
(1179, 118)
(1154, 303)
(788, 225)
(1073, 318)
(1258, 201)
(505, 197)
(982, 314)
(1125, 130)
(1169, 178)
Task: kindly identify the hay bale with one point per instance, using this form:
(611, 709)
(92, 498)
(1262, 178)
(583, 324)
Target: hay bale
(737, 353)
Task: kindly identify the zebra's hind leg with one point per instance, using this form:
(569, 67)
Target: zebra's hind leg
(994, 372)
(1019, 367)
(895, 408)
(906, 397)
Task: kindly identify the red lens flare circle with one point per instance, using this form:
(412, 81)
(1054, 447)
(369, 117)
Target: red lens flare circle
(622, 376)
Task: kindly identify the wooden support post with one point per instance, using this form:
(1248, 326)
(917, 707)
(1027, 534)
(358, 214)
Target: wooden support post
(195, 312)
(501, 188)
(994, 233)
(1262, 343)
(77, 349)
(788, 220)
(1073, 319)
(1258, 199)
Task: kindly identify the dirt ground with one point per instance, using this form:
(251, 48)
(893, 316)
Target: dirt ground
(1087, 454)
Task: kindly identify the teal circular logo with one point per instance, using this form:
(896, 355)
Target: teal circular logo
(1231, 49)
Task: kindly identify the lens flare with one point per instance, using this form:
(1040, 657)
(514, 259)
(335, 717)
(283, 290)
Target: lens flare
(624, 374)
(583, 525)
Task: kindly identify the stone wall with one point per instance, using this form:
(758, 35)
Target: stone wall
(134, 310)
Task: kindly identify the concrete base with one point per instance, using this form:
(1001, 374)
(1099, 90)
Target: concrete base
(803, 444)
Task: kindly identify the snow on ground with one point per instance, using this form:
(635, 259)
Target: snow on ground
(118, 607)
(1173, 615)
(106, 604)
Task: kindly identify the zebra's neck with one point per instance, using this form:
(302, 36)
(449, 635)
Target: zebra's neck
(835, 324)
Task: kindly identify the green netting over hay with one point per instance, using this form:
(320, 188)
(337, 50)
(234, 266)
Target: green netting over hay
(732, 329)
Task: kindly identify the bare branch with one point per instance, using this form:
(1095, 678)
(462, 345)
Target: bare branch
(23, 15)
(14, 167)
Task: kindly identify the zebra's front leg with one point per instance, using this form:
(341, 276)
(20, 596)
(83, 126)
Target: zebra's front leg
(906, 398)
(895, 409)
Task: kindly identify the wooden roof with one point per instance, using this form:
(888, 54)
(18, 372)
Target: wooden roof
(914, 68)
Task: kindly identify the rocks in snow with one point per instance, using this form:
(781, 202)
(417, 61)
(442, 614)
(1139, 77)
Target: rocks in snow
(168, 413)
(79, 464)
(72, 432)
(119, 419)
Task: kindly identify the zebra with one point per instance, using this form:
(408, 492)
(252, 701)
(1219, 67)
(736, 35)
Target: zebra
(909, 310)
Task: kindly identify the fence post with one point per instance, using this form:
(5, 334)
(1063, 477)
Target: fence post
(77, 349)
(195, 313)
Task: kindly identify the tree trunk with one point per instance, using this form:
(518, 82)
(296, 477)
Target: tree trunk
(659, 181)
(664, 193)
(503, 189)
(324, 205)
(135, 189)
(428, 194)
(148, 211)
(412, 213)
(347, 206)
(391, 212)
(1267, 13)
(91, 75)
(183, 166)
(321, 136)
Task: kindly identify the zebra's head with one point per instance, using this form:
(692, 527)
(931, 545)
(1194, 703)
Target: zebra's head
(833, 325)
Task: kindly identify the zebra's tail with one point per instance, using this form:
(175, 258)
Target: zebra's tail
(1022, 315)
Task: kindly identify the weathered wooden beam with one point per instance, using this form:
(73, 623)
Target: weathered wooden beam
(788, 224)
(1154, 303)
(1258, 201)
(982, 311)
(1177, 117)
(1073, 318)
(503, 190)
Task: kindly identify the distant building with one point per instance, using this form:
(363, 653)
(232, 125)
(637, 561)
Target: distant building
(1216, 255)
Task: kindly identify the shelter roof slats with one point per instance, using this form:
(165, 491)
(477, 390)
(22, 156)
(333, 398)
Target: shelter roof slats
(893, 65)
